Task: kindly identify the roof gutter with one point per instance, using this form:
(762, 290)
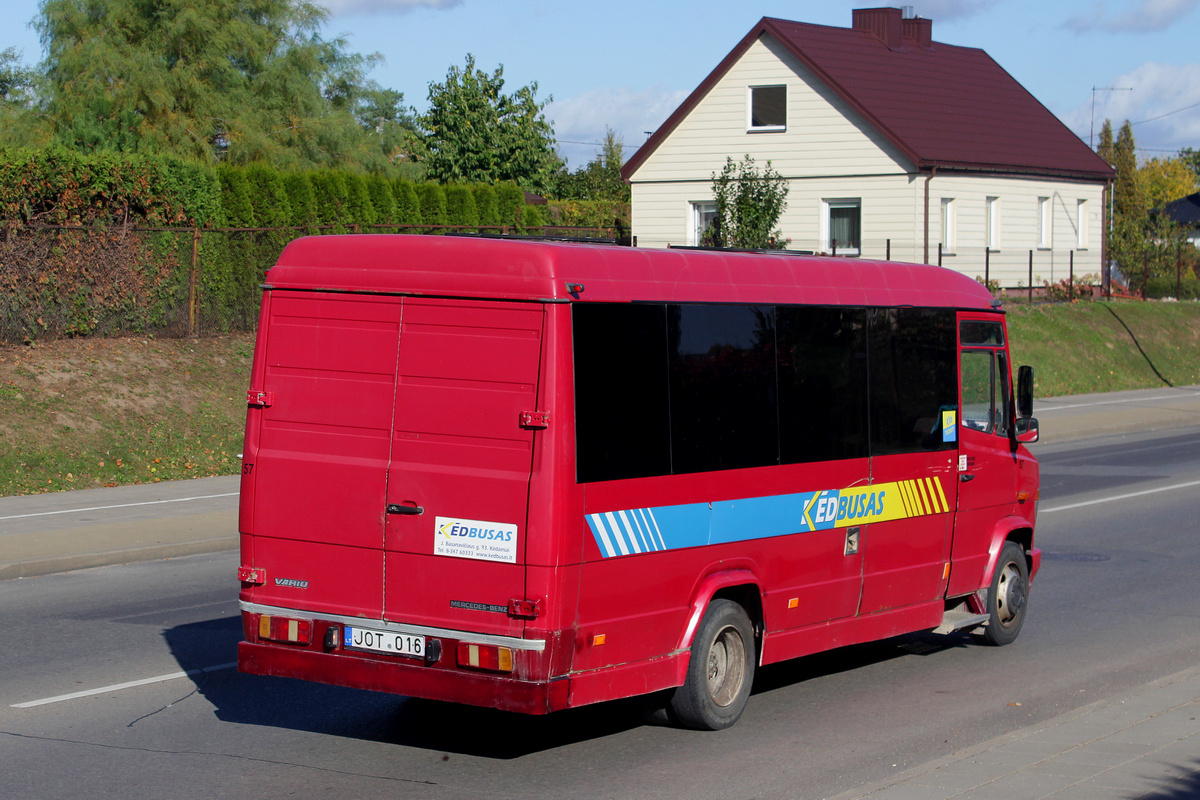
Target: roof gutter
(928, 178)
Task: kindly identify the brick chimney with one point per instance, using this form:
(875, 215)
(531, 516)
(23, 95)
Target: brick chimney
(886, 23)
(919, 31)
(894, 27)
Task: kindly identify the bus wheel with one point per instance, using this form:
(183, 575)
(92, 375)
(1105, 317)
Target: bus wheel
(720, 671)
(1008, 596)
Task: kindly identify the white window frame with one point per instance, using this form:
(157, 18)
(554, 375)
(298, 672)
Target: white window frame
(1045, 224)
(750, 126)
(697, 209)
(827, 205)
(992, 223)
(1081, 224)
(949, 226)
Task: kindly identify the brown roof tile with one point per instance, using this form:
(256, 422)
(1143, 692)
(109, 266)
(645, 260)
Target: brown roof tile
(940, 105)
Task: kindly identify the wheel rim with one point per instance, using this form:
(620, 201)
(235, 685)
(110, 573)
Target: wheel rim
(1010, 595)
(726, 666)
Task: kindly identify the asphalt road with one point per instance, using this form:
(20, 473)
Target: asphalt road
(1114, 607)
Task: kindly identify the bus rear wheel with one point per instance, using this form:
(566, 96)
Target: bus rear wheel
(720, 671)
(1007, 596)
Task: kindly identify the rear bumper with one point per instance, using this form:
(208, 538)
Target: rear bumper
(409, 679)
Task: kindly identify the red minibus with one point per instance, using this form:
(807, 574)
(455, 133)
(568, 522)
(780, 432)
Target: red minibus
(537, 475)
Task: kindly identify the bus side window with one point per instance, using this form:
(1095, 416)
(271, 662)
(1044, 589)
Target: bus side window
(913, 356)
(978, 390)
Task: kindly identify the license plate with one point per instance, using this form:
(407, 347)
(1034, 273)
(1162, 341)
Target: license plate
(402, 644)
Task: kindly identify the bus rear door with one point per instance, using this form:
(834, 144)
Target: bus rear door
(462, 445)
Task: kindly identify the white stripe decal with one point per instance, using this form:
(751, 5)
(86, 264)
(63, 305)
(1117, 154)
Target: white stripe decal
(635, 536)
(639, 516)
(612, 526)
(650, 513)
(598, 523)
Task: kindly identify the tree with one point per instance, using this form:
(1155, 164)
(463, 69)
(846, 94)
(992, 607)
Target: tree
(219, 80)
(749, 205)
(474, 133)
(1165, 179)
(1191, 158)
(601, 178)
(21, 100)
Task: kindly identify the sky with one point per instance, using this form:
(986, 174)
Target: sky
(627, 64)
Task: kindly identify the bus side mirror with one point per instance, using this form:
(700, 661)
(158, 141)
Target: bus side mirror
(1025, 392)
(1026, 430)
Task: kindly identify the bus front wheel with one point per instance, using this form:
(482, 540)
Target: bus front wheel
(720, 671)
(1007, 596)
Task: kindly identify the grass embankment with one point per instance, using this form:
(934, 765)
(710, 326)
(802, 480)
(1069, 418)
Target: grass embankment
(83, 413)
(101, 412)
(1106, 347)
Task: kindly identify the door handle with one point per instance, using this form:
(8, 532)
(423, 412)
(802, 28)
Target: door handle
(966, 478)
(397, 508)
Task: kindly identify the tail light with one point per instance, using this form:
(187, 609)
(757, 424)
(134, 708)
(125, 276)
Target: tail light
(485, 656)
(285, 629)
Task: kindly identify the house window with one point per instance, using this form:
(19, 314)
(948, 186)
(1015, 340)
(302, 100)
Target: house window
(703, 215)
(843, 226)
(1045, 240)
(767, 108)
(948, 226)
(993, 223)
(1081, 224)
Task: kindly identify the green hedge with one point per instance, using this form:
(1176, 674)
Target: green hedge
(110, 279)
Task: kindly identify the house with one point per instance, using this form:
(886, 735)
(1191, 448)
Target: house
(892, 145)
(1185, 211)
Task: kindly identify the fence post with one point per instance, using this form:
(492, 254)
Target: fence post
(888, 251)
(987, 268)
(1030, 277)
(1145, 271)
(1178, 271)
(1071, 277)
(193, 300)
(939, 254)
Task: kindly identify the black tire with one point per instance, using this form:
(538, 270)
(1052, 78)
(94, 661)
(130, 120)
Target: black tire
(1008, 596)
(720, 670)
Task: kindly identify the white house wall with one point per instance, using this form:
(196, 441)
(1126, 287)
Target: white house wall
(829, 152)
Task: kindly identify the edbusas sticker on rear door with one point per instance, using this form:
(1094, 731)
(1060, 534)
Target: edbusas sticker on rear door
(471, 538)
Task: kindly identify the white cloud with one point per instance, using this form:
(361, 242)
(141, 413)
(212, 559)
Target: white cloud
(1147, 16)
(629, 112)
(344, 7)
(946, 10)
(1164, 107)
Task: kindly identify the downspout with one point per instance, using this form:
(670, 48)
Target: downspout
(1106, 216)
(928, 178)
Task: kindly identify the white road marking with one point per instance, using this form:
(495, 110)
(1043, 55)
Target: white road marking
(1174, 396)
(118, 686)
(1115, 498)
(121, 505)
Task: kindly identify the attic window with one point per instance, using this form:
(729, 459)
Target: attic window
(768, 108)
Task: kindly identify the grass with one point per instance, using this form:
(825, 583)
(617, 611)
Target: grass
(104, 412)
(1088, 347)
(84, 413)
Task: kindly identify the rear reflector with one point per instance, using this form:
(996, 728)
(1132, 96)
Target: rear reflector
(485, 656)
(285, 629)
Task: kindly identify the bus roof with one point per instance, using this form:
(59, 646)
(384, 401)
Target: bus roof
(456, 266)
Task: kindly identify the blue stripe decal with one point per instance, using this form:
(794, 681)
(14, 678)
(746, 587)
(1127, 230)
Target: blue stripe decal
(643, 530)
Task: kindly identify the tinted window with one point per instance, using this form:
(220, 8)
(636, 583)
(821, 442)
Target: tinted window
(913, 364)
(621, 413)
(822, 383)
(723, 398)
(978, 332)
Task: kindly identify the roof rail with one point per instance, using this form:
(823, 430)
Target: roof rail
(533, 237)
(741, 250)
